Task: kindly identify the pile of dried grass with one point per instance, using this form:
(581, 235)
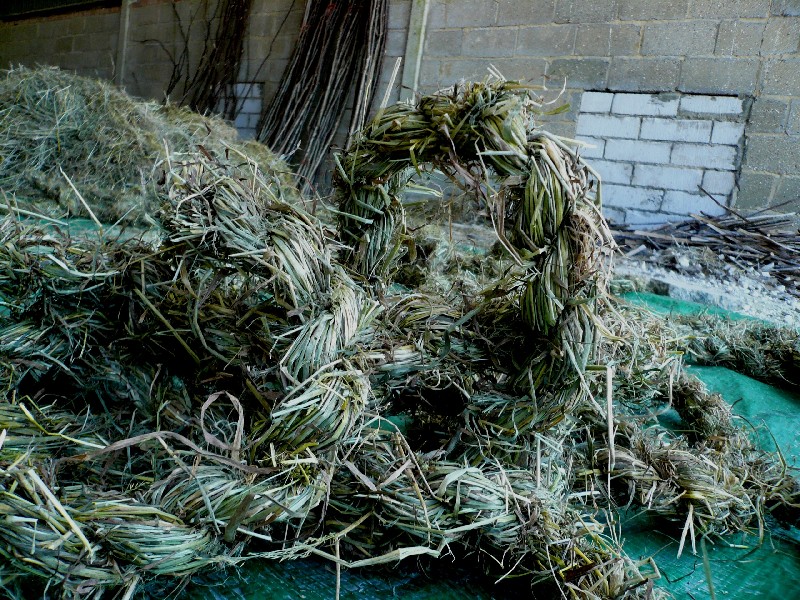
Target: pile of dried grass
(222, 386)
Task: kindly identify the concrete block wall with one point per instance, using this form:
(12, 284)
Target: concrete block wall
(655, 152)
(743, 48)
(85, 42)
(159, 31)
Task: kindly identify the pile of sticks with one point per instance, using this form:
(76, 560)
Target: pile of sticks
(769, 243)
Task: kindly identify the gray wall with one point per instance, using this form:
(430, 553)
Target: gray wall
(745, 48)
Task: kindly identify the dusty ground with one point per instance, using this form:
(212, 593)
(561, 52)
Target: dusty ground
(698, 275)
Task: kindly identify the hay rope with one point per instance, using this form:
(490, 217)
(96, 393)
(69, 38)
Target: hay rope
(225, 382)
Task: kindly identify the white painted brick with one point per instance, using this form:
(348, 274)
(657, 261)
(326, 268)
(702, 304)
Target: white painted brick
(252, 121)
(615, 215)
(250, 105)
(247, 134)
(644, 104)
(608, 126)
(241, 121)
(705, 156)
(250, 90)
(638, 151)
(589, 152)
(644, 218)
(613, 172)
(623, 196)
(683, 130)
(726, 132)
(718, 182)
(596, 102)
(668, 178)
(685, 204)
(715, 105)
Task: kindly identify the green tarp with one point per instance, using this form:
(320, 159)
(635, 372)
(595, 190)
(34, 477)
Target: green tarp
(739, 568)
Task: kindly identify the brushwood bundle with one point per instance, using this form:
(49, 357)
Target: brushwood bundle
(226, 376)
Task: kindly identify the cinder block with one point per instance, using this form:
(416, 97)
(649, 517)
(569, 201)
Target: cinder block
(603, 39)
(664, 10)
(645, 104)
(712, 105)
(399, 14)
(686, 38)
(596, 102)
(524, 69)
(706, 156)
(396, 42)
(580, 11)
(682, 203)
(718, 182)
(586, 73)
(782, 77)
(550, 40)
(442, 43)
(773, 153)
(706, 9)
(471, 13)
(768, 115)
(489, 42)
(719, 75)
(683, 130)
(429, 73)
(514, 12)
(613, 172)
(788, 190)
(608, 126)
(668, 178)
(623, 196)
(785, 8)
(755, 189)
(727, 133)
(782, 36)
(644, 74)
(739, 38)
(793, 126)
(638, 151)
(594, 149)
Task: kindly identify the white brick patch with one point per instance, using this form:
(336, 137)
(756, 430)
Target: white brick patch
(685, 204)
(654, 151)
(728, 133)
(596, 102)
(667, 178)
(623, 196)
(613, 172)
(718, 182)
(641, 217)
(644, 104)
(686, 130)
(608, 126)
(250, 105)
(714, 105)
(638, 151)
(704, 155)
(595, 148)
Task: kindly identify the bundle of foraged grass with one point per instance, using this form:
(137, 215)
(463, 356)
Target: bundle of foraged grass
(58, 130)
(227, 381)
